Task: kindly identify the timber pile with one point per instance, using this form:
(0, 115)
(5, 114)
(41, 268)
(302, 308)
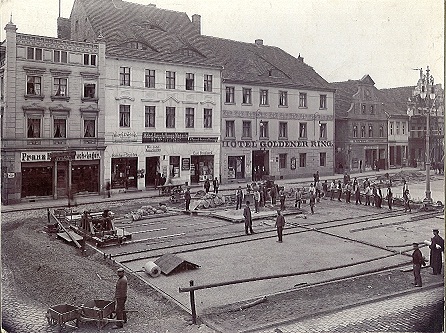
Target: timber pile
(145, 211)
(209, 200)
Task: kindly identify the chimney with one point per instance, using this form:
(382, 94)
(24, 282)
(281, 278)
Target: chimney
(151, 5)
(63, 28)
(259, 42)
(301, 59)
(196, 21)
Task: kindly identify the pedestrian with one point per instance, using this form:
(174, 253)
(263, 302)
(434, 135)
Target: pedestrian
(389, 197)
(380, 197)
(121, 298)
(215, 185)
(348, 192)
(368, 194)
(375, 196)
(187, 198)
(339, 188)
(298, 199)
(256, 200)
(318, 187)
(366, 183)
(316, 177)
(332, 189)
(312, 202)
(239, 197)
(108, 188)
(405, 186)
(282, 198)
(357, 190)
(207, 185)
(280, 223)
(248, 218)
(406, 199)
(417, 262)
(325, 187)
(312, 189)
(262, 198)
(273, 195)
(437, 247)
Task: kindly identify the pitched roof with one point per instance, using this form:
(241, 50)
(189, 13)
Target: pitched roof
(161, 34)
(263, 65)
(344, 96)
(396, 99)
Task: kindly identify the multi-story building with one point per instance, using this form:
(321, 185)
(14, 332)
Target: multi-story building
(52, 116)
(361, 126)
(277, 114)
(162, 92)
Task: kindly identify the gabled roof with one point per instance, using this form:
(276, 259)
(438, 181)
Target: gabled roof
(263, 65)
(165, 34)
(344, 96)
(396, 99)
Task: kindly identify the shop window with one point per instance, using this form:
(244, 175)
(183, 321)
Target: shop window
(34, 85)
(230, 129)
(246, 130)
(322, 101)
(89, 128)
(124, 172)
(170, 80)
(37, 175)
(60, 86)
(323, 130)
(282, 161)
(60, 128)
(246, 96)
(302, 130)
(190, 117)
(149, 118)
(124, 115)
(174, 164)
(202, 168)
(85, 178)
(124, 76)
(150, 78)
(302, 160)
(34, 127)
(302, 100)
(283, 130)
(322, 159)
(207, 118)
(170, 117)
(230, 98)
(283, 98)
(190, 78)
(207, 82)
(89, 90)
(263, 97)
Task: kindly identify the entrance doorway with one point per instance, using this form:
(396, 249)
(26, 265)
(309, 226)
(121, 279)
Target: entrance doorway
(152, 170)
(62, 180)
(260, 165)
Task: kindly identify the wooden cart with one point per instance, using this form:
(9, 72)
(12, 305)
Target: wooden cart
(62, 313)
(100, 311)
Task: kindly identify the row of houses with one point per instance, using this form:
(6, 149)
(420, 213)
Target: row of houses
(128, 94)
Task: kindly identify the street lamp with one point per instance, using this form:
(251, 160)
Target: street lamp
(428, 95)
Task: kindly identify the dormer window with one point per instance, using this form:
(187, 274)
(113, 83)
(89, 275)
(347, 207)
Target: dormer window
(137, 46)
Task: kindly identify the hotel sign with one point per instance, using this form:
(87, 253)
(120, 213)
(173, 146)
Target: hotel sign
(277, 144)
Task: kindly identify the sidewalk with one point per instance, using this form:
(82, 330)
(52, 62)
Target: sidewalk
(151, 193)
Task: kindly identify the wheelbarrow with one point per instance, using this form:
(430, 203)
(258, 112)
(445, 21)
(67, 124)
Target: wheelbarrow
(62, 313)
(100, 311)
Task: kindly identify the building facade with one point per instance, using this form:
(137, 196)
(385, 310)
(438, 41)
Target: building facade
(52, 116)
(361, 126)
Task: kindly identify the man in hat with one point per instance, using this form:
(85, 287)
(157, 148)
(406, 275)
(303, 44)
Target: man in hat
(121, 297)
(187, 198)
(436, 246)
(248, 218)
(417, 261)
(280, 223)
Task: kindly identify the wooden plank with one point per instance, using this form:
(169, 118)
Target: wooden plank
(69, 238)
(64, 229)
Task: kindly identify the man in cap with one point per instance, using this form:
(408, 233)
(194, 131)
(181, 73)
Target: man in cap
(280, 223)
(121, 297)
(436, 246)
(417, 261)
(248, 218)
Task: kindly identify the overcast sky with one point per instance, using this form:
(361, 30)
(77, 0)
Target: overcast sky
(340, 39)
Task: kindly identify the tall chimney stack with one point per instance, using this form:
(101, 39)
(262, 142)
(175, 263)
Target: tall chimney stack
(196, 21)
(259, 42)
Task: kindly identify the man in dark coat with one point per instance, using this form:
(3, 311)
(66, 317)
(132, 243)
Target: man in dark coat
(389, 197)
(187, 198)
(121, 298)
(215, 185)
(280, 223)
(437, 247)
(248, 218)
(417, 262)
(207, 185)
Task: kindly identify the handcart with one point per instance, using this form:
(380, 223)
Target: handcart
(177, 195)
(62, 313)
(100, 311)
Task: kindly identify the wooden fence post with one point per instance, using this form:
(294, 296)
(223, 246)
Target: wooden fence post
(192, 303)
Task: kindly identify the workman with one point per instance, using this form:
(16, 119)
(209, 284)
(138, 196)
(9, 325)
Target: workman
(121, 298)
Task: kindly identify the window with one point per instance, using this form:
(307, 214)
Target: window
(263, 97)
(124, 76)
(282, 161)
(322, 101)
(229, 95)
(124, 115)
(362, 131)
(60, 56)
(89, 128)
(391, 128)
(34, 53)
(33, 127)
(150, 78)
(302, 100)
(207, 82)
(322, 159)
(246, 96)
(170, 117)
(381, 131)
(370, 131)
(302, 160)
(403, 128)
(372, 109)
(363, 108)
(170, 80)
(60, 86)
(174, 163)
(89, 90)
(149, 116)
(264, 129)
(60, 128)
(283, 130)
(302, 130)
(397, 128)
(189, 117)
(207, 118)
(230, 129)
(283, 98)
(33, 85)
(189, 81)
(355, 131)
(323, 130)
(246, 130)
(90, 59)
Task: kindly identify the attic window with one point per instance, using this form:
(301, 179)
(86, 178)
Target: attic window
(188, 52)
(136, 46)
(152, 26)
(276, 73)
